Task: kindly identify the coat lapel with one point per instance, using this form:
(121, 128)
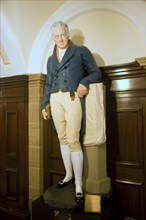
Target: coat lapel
(68, 54)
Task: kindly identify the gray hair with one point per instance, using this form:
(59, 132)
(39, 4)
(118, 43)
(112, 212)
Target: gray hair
(59, 24)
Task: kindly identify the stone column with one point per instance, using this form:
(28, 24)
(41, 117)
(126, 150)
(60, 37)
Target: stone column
(95, 178)
(36, 82)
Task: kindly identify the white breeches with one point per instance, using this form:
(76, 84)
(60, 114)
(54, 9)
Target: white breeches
(67, 116)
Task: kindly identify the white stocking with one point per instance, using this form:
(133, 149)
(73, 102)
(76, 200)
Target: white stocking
(66, 156)
(77, 161)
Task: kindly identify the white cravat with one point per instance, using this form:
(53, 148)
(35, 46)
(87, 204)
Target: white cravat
(61, 53)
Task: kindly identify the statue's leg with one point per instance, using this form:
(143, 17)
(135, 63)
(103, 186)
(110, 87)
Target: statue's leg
(77, 161)
(66, 156)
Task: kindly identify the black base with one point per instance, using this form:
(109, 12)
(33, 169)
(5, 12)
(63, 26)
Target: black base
(10, 214)
(62, 200)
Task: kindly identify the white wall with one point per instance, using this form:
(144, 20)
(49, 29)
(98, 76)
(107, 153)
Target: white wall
(114, 30)
(114, 37)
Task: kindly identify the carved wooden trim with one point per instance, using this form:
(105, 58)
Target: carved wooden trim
(141, 61)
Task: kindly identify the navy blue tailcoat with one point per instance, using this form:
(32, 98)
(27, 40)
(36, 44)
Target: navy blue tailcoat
(78, 66)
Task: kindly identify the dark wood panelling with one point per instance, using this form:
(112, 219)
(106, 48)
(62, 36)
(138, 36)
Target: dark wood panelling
(126, 138)
(130, 198)
(126, 144)
(14, 147)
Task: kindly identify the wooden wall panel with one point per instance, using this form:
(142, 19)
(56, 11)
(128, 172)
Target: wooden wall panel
(12, 185)
(130, 198)
(126, 143)
(14, 148)
(126, 138)
(11, 138)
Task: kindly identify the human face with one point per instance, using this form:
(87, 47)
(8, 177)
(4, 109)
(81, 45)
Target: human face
(60, 37)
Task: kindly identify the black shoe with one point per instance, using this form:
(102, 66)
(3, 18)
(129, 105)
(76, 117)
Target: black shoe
(62, 184)
(79, 198)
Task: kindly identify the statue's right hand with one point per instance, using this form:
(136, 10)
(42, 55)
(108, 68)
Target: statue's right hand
(45, 114)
